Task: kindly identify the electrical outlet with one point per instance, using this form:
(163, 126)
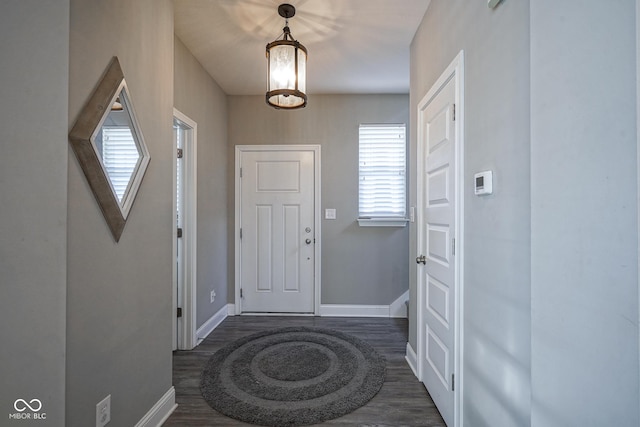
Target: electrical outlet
(213, 296)
(103, 412)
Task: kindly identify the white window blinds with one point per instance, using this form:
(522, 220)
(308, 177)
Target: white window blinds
(120, 156)
(382, 192)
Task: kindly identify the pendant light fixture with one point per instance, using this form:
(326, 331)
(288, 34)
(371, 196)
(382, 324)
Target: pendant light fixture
(286, 68)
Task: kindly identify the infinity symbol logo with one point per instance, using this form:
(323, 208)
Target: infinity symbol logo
(21, 405)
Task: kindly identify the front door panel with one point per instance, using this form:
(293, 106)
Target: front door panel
(278, 240)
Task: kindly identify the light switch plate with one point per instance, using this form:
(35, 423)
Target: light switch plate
(329, 214)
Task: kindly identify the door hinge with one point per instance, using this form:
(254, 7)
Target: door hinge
(453, 246)
(241, 233)
(240, 172)
(454, 112)
(241, 293)
(179, 232)
(179, 313)
(180, 153)
(453, 384)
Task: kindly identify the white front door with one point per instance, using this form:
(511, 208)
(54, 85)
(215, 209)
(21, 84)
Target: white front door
(438, 264)
(277, 226)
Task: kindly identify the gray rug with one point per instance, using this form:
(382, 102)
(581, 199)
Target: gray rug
(292, 376)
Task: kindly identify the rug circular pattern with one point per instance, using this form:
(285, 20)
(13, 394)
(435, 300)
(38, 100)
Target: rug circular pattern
(292, 376)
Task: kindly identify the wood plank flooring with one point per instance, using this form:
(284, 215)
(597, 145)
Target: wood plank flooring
(402, 401)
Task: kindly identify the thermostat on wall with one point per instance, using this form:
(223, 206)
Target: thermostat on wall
(483, 183)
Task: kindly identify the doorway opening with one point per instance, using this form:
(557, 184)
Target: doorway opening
(184, 241)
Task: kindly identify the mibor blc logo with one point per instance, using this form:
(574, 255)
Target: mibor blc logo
(28, 410)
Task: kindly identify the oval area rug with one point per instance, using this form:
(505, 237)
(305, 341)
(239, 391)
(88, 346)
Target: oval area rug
(292, 376)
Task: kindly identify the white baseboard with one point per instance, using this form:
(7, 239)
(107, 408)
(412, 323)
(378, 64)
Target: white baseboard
(159, 413)
(398, 308)
(412, 360)
(347, 310)
(213, 322)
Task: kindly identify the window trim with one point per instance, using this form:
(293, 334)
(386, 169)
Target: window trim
(382, 222)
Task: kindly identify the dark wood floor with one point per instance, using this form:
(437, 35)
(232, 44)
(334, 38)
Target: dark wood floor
(402, 401)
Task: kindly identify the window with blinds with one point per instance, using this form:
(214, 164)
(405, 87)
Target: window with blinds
(120, 156)
(382, 171)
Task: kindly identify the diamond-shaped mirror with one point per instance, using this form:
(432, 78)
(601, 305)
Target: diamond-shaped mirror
(108, 143)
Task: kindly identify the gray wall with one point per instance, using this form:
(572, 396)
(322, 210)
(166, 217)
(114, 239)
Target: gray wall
(497, 227)
(551, 258)
(359, 265)
(119, 303)
(34, 41)
(198, 96)
(584, 245)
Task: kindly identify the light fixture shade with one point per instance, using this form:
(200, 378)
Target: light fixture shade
(286, 78)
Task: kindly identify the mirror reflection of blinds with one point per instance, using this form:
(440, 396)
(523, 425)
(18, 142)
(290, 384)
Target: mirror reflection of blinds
(120, 156)
(382, 171)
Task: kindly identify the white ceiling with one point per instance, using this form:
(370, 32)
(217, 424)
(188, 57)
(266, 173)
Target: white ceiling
(355, 46)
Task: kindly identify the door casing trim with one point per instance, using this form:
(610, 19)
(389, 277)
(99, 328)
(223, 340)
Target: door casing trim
(317, 217)
(455, 71)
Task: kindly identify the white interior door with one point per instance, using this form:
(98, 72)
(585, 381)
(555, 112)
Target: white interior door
(438, 264)
(277, 223)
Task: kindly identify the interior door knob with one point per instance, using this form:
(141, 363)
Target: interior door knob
(421, 260)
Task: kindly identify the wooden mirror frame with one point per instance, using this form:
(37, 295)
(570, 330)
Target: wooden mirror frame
(81, 138)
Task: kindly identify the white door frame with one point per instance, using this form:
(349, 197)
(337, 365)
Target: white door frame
(318, 246)
(454, 71)
(185, 326)
(638, 152)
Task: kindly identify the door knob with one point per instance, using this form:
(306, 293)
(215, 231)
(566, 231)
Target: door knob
(308, 241)
(421, 260)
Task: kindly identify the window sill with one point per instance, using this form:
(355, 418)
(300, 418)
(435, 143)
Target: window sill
(382, 222)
